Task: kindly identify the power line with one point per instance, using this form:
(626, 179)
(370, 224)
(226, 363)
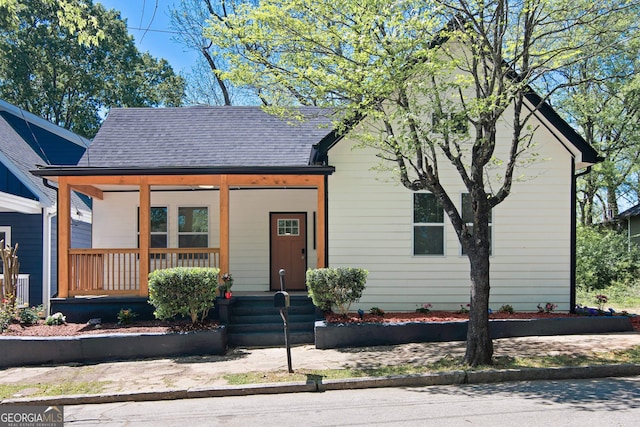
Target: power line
(153, 31)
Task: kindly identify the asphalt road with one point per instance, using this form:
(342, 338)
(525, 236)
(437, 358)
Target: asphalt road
(611, 402)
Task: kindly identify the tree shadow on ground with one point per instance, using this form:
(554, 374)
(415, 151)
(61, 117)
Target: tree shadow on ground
(585, 394)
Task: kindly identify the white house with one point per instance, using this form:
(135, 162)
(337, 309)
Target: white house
(252, 193)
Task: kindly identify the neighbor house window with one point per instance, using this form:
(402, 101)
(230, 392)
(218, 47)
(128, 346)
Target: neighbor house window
(193, 227)
(428, 225)
(467, 217)
(158, 227)
(5, 234)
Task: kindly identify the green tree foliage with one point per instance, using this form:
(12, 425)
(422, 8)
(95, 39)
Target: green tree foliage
(183, 291)
(411, 73)
(46, 69)
(73, 16)
(601, 95)
(603, 258)
(336, 287)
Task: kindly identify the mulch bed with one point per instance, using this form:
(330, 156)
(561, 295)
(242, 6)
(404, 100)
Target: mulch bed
(447, 316)
(159, 326)
(72, 329)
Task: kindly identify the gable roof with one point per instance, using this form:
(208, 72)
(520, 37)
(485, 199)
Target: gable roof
(632, 211)
(188, 137)
(26, 141)
(563, 130)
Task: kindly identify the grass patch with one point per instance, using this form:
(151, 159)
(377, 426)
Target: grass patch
(621, 296)
(52, 389)
(445, 364)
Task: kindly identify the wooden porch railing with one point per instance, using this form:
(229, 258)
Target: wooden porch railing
(116, 271)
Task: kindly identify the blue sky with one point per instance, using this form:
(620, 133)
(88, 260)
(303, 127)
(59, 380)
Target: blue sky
(154, 15)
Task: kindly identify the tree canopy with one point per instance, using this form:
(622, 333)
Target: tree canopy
(47, 69)
(432, 79)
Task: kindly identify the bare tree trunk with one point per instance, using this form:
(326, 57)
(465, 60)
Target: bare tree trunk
(479, 344)
(11, 267)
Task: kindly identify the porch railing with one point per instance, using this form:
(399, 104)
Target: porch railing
(22, 291)
(116, 271)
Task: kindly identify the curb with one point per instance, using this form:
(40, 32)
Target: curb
(420, 380)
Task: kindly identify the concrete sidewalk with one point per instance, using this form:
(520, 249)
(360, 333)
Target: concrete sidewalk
(200, 376)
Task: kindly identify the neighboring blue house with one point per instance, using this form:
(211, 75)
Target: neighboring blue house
(28, 205)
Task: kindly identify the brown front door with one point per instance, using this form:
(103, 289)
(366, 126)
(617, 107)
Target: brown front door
(288, 250)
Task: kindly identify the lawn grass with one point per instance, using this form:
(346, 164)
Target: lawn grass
(51, 389)
(631, 355)
(620, 297)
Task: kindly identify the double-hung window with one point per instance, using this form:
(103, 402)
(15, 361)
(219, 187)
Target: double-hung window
(428, 225)
(193, 227)
(467, 218)
(158, 227)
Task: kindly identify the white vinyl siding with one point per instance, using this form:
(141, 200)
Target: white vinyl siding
(370, 226)
(115, 224)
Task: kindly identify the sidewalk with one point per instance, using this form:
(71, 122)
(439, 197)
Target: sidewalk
(200, 376)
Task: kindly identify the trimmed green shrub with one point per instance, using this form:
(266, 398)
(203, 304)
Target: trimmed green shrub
(336, 287)
(29, 315)
(183, 291)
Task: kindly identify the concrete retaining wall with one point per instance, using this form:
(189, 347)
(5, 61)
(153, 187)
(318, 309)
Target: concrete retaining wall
(338, 335)
(22, 351)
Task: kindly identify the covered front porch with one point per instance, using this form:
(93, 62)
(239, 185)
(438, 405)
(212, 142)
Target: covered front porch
(240, 210)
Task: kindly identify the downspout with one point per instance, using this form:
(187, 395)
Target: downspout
(574, 201)
(326, 221)
(47, 214)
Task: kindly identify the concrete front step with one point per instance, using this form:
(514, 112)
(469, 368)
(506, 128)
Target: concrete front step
(254, 321)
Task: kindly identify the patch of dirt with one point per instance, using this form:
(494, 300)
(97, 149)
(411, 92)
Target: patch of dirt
(73, 329)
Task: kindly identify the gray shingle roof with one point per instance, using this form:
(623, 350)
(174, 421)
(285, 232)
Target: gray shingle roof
(205, 136)
(23, 159)
(632, 211)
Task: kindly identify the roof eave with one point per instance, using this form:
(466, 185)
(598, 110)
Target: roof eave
(54, 171)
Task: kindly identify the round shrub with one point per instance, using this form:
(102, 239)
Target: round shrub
(336, 287)
(183, 291)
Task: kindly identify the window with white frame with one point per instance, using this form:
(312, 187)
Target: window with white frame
(193, 227)
(158, 227)
(5, 234)
(428, 225)
(467, 218)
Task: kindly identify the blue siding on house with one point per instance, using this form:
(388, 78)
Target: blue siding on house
(10, 184)
(80, 238)
(80, 234)
(52, 148)
(26, 231)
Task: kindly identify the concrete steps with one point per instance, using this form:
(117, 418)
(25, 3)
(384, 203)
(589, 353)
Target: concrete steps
(253, 321)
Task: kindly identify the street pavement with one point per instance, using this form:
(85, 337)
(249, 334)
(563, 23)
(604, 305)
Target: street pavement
(203, 376)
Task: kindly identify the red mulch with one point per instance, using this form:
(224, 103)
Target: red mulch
(159, 326)
(447, 316)
(71, 329)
